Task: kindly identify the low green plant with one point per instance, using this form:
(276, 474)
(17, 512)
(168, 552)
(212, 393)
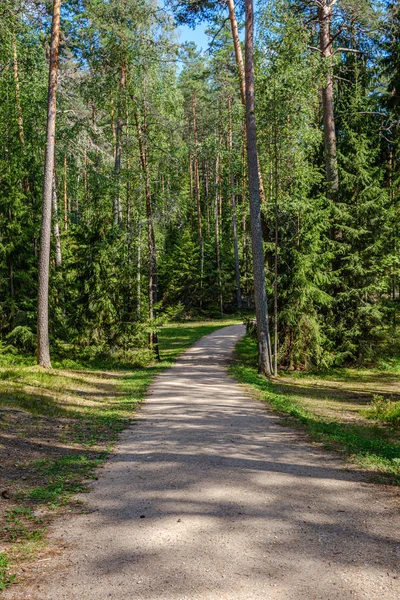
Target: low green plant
(6, 578)
(23, 338)
(63, 478)
(384, 410)
(21, 525)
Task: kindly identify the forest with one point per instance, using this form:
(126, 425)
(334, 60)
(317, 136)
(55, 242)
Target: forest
(155, 195)
(147, 196)
(146, 199)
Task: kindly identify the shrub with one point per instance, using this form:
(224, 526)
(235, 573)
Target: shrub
(22, 338)
(384, 409)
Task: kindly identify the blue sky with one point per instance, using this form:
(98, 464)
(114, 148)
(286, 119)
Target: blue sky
(196, 35)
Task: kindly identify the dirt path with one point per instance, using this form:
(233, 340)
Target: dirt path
(208, 497)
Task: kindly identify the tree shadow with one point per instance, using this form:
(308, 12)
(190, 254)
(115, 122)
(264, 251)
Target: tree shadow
(209, 497)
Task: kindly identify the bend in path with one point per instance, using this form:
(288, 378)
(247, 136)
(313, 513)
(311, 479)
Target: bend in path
(208, 497)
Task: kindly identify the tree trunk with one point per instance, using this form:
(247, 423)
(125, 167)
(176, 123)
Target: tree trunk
(244, 220)
(233, 203)
(65, 195)
(43, 348)
(85, 185)
(238, 49)
(198, 197)
(18, 92)
(117, 211)
(325, 42)
(241, 71)
(191, 191)
(260, 296)
(10, 266)
(275, 189)
(138, 273)
(217, 249)
(153, 278)
(276, 258)
(56, 227)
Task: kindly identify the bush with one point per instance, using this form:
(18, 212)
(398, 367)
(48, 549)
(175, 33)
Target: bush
(175, 313)
(384, 409)
(22, 338)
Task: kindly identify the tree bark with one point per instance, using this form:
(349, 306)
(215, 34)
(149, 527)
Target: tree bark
(56, 227)
(241, 71)
(138, 273)
(65, 195)
(233, 203)
(191, 191)
(260, 295)
(85, 185)
(43, 348)
(18, 92)
(117, 211)
(153, 276)
(198, 196)
(276, 259)
(217, 249)
(238, 49)
(325, 42)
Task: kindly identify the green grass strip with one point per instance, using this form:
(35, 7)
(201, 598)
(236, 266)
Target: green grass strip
(364, 445)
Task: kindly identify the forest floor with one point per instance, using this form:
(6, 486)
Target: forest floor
(208, 496)
(57, 427)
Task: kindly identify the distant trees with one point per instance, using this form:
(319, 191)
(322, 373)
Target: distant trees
(154, 175)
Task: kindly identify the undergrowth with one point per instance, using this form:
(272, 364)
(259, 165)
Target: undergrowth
(384, 410)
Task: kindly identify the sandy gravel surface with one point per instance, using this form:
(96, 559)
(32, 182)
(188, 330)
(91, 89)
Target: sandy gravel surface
(208, 497)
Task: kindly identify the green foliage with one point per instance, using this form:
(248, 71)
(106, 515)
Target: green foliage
(22, 338)
(6, 578)
(338, 263)
(297, 211)
(384, 410)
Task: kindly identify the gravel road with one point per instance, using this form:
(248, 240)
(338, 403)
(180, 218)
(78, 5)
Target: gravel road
(209, 497)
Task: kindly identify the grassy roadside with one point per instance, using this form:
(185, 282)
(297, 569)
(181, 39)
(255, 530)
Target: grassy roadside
(56, 428)
(345, 411)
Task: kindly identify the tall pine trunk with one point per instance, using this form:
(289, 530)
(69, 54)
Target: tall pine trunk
(139, 273)
(56, 227)
(151, 243)
(43, 344)
(242, 77)
(325, 42)
(65, 195)
(233, 203)
(18, 92)
(191, 191)
(198, 196)
(260, 295)
(217, 248)
(238, 49)
(117, 211)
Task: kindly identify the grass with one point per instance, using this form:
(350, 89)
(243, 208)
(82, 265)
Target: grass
(57, 427)
(332, 409)
(384, 410)
(5, 577)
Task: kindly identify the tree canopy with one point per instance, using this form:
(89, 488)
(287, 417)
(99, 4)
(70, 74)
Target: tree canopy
(150, 189)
